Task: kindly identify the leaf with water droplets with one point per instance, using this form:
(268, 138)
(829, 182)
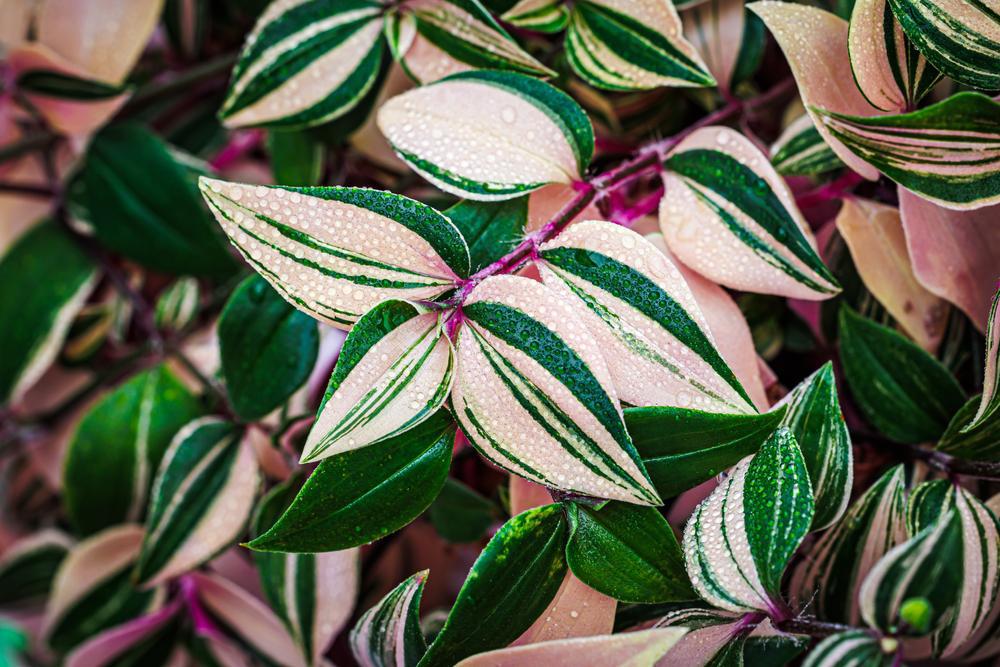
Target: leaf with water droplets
(635, 649)
(335, 252)
(388, 634)
(638, 307)
(801, 150)
(739, 540)
(533, 394)
(538, 15)
(732, 218)
(394, 371)
(632, 45)
(306, 63)
(515, 134)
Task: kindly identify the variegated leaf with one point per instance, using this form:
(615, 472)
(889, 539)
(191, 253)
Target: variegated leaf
(852, 648)
(948, 152)
(28, 567)
(980, 442)
(915, 588)
(177, 305)
(246, 619)
(306, 62)
(394, 371)
(388, 634)
(93, 589)
(450, 36)
(814, 418)
(709, 632)
(960, 37)
(729, 216)
(980, 567)
(739, 540)
(954, 253)
(801, 150)
(313, 594)
(891, 74)
(627, 649)
(130, 643)
(632, 45)
(335, 252)
(522, 132)
(639, 308)
(534, 396)
(874, 235)
(538, 15)
(715, 28)
(201, 499)
(815, 45)
(989, 404)
(829, 577)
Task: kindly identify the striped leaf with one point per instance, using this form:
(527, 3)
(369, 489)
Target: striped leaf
(732, 218)
(511, 583)
(93, 589)
(738, 541)
(127, 431)
(534, 396)
(514, 135)
(629, 649)
(916, 587)
(335, 252)
(721, 639)
(815, 419)
(47, 264)
(981, 442)
(682, 448)
(538, 15)
(363, 495)
(948, 152)
(627, 552)
(394, 371)
(242, 623)
(632, 45)
(312, 593)
(177, 305)
(149, 641)
(852, 648)
(875, 237)
(905, 393)
(201, 499)
(889, 71)
(388, 634)
(450, 36)
(640, 310)
(306, 62)
(989, 404)
(980, 549)
(28, 566)
(801, 150)
(962, 39)
(814, 43)
(829, 577)
(716, 29)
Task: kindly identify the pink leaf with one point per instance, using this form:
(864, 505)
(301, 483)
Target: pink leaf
(625, 649)
(102, 649)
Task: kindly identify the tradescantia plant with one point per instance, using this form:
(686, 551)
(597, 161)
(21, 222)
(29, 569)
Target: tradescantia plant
(592, 333)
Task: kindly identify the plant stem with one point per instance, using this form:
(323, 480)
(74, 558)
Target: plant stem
(41, 191)
(29, 144)
(809, 625)
(170, 84)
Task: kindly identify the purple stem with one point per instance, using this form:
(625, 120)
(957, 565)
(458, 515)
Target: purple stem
(240, 143)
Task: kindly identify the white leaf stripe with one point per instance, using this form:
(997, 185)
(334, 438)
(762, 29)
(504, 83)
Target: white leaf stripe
(388, 634)
(306, 63)
(534, 396)
(854, 648)
(540, 15)
(202, 497)
(636, 302)
(801, 151)
(830, 575)
(989, 404)
(401, 381)
(336, 252)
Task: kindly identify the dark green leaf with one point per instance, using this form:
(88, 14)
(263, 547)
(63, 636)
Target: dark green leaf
(903, 391)
(682, 448)
(365, 494)
(268, 348)
(28, 567)
(388, 634)
(460, 514)
(510, 585)
(628, 552)
(981, 442)
(296, 157)
(491, 229)
(57, 84)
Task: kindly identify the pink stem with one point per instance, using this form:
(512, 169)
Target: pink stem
(203, 625)
(240, 144)
(627, 215)
(833, 190)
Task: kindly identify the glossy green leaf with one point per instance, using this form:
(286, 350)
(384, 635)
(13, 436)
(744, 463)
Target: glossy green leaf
(903, 391)
(388, 634)
(128, 431)
(152, 214)
(297, 158)
(459, 514)
(491, 229)
(510, 585)
(682, 448)
(627, 552)
(268, 348)
(981, 442)
(46, 264)
(363, 495)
